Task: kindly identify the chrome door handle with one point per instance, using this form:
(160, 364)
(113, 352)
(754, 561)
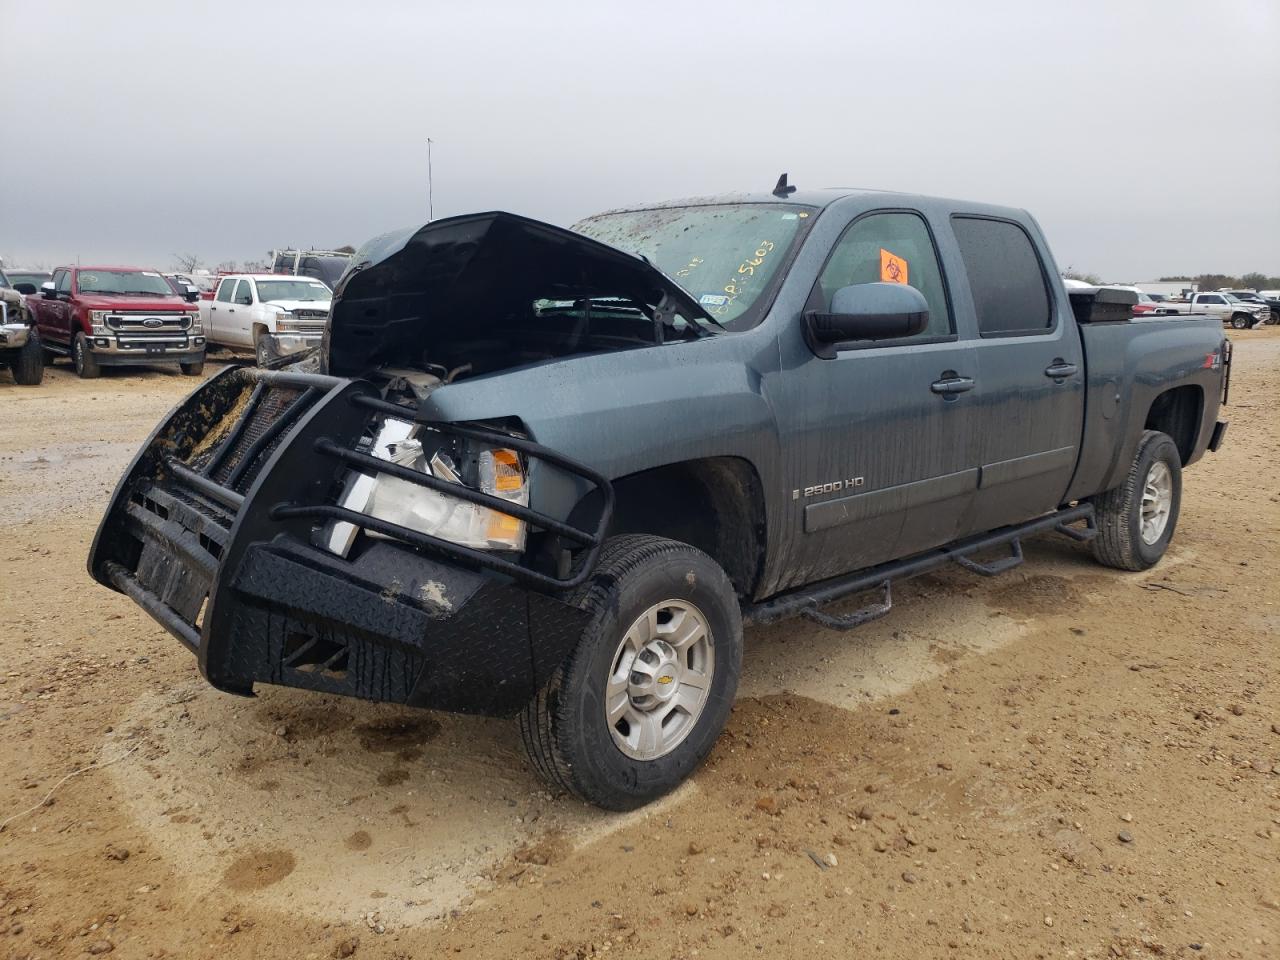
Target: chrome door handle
(1059, 370)
(952, 385)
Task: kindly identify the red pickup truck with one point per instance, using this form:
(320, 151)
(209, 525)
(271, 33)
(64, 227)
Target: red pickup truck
(116, 316)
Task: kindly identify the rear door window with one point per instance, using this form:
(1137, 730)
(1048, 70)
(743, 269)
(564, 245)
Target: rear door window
(890, 247)
(1010, 292)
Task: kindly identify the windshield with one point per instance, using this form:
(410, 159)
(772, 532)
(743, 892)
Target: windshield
(1231, 299)
(33, 277)
(725, 255)
(141, 282)
(292, 290)
(328, 269)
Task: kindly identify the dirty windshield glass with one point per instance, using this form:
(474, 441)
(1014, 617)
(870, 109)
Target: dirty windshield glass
(726, 255)
(292, 290)
(124, 281)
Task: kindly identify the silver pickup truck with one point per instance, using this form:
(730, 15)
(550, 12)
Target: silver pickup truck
(1241, 314)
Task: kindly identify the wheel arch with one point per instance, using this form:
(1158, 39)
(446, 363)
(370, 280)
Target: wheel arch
(714, 503)
(1178, 412)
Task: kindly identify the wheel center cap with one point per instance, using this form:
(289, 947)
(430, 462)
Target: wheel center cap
(655, 675)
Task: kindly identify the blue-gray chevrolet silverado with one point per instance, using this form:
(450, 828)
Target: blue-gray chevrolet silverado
(551, 473)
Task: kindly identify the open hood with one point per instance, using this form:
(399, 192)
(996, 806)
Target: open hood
(418, 294)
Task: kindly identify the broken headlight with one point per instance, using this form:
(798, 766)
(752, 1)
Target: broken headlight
(497, 471)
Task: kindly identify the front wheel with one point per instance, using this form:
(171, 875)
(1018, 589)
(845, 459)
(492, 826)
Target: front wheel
(1241, 321)
(261, 349)
(87, 366)
(28, 366)
(192, 369)
(1137, 519)
(642, 699)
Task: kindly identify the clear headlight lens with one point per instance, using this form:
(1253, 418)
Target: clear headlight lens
(500, 474)
(98, 319)
(440, 515)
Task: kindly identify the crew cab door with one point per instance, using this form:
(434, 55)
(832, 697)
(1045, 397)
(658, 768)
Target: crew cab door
(879, 441)
(1214, 304)
(53, 316)
(246, 313)
(1030, 396)
(222, 312)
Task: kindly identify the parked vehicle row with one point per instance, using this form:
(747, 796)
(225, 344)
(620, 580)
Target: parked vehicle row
(552, 473)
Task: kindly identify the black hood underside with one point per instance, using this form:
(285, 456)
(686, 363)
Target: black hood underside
(423, 295)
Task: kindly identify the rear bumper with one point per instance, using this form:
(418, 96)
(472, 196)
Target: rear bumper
(197, 537)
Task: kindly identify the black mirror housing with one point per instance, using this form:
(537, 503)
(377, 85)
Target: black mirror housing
(867, 311)
(26, 289)
(191, 294)
(47, 290)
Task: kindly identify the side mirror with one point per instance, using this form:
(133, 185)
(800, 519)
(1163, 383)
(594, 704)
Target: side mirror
(192, 293)
(26, 289)
(867, 311)
(47, 291)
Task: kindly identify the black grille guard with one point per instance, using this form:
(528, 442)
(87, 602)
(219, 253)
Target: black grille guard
(313, 386)
(592, 540)
(203, 507)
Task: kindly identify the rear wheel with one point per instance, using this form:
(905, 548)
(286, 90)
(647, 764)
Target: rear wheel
(1241, 321)
(1137, 519)
(28, 365)
(642, 699)
(87, 366)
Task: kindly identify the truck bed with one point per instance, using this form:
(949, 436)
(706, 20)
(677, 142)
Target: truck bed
(1128, 364)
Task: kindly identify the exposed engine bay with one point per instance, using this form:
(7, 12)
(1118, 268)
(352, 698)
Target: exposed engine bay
(473, 295)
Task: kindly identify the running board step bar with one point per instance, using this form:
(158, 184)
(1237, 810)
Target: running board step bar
(850, 621)
(996, 567)
(807, 601)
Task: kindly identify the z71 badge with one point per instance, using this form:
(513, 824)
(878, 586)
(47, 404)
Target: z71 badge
(832, 487)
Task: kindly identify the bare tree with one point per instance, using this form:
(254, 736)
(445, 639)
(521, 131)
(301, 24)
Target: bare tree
(1073, 274)
(188, 262)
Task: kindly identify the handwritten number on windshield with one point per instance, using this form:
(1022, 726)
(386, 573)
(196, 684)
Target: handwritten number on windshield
(735, 287)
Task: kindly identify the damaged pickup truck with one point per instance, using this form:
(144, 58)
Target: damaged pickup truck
(552, 473)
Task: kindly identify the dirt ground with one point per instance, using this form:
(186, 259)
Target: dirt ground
(1063, 762)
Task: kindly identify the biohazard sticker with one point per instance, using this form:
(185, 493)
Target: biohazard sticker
(893, 268)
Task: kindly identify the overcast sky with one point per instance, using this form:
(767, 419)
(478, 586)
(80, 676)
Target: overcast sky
(1144, 136)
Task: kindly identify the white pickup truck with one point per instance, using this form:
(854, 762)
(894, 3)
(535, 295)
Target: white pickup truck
(272, 314)
(1225, 306)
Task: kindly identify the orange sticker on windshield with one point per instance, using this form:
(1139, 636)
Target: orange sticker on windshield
(893, 269)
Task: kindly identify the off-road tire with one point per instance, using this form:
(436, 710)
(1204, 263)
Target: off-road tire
(87, 366)
(28, 365)
(1241, 321)
(1119, 541)
(192, 369)
(565, 731)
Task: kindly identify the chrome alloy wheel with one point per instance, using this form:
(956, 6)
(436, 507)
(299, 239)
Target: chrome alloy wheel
(1157, 501)
(660, 679)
